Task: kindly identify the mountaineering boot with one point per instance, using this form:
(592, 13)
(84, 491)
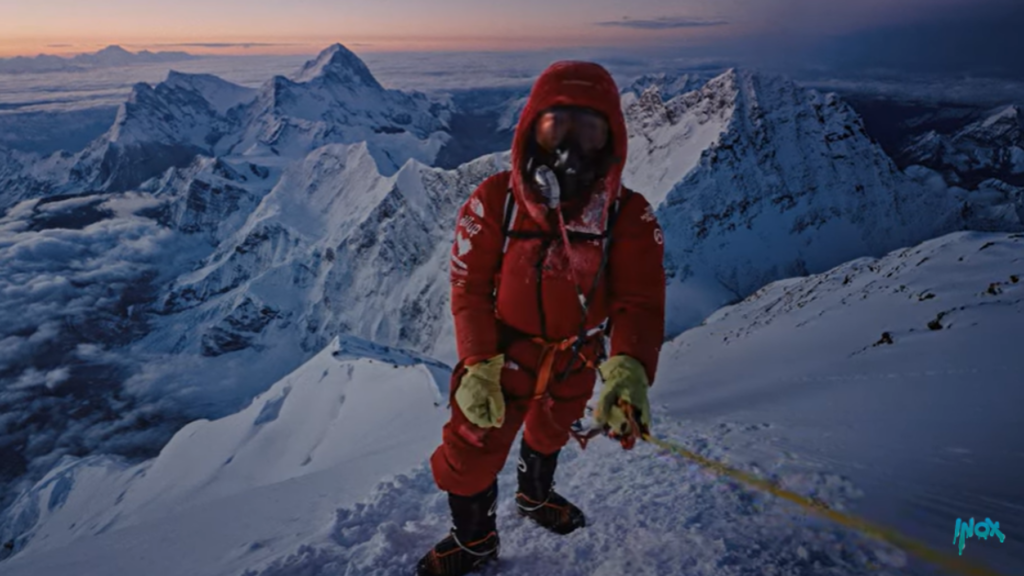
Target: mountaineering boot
(536, 498)
(472, 542)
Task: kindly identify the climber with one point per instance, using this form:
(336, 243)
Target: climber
(549, 258)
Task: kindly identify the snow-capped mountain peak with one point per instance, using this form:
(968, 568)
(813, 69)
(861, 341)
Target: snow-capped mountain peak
(1005, 125)
(987, 149)
(220, 94)
(159, 127)
(112, 56)
(113, 50)
(1010, 113)
(668, 85)
(338, 64)
(182, 108)
(754, 160)
(335, 99)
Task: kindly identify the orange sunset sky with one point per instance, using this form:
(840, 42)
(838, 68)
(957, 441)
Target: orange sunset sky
(30, 27)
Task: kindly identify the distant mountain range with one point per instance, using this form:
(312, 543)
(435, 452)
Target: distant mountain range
(107, 57)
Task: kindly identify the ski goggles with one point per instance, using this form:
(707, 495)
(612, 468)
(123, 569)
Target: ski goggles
(556, 126)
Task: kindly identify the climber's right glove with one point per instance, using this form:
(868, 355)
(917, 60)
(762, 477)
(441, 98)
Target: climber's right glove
(479, 393)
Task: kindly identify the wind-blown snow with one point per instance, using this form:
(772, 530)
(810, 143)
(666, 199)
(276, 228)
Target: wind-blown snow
(796, 383)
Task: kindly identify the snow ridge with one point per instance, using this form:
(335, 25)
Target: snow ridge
(301, 427)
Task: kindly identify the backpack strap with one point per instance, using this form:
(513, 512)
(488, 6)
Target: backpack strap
(511, 211)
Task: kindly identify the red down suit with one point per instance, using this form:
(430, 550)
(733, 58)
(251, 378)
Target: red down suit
(518, 293)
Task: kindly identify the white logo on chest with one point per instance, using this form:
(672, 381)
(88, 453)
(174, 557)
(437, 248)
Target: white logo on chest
(463, 245)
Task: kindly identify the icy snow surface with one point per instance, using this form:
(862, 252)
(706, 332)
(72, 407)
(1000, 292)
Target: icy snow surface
(789, 384)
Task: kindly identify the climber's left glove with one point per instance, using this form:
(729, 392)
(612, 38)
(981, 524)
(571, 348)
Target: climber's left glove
(625, 383)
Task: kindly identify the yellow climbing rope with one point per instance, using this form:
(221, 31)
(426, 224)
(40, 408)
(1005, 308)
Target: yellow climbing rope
(947, 561)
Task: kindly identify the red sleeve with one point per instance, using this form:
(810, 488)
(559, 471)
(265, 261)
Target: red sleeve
(476, 256)
(637, 284)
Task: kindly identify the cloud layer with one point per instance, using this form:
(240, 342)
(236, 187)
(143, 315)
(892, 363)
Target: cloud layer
(663, 23)
(75, 279)
(227, 44)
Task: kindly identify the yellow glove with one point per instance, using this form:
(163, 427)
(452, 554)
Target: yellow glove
(624, 380)
(479, 393)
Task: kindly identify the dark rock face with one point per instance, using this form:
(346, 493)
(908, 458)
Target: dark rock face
(238, 330)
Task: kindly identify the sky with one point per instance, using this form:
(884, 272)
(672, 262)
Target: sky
(303, 26)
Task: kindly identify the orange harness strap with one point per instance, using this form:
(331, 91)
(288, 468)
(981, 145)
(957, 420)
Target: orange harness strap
(549, 351)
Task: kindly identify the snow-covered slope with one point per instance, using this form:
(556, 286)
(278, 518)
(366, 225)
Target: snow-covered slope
(901, 374)
(755, 179)
(125, 313)
(321, 437)
(882, 387)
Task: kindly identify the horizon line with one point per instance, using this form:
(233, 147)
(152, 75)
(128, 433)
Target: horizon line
(312, 47)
